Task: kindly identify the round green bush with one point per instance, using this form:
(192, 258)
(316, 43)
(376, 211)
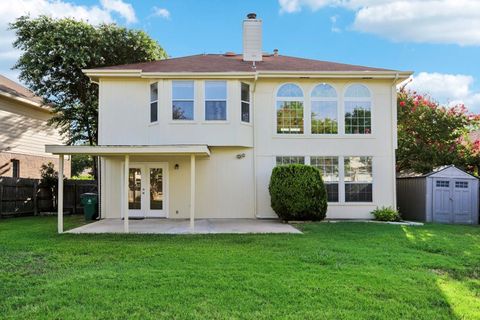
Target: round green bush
(297, 192)
(386, 214)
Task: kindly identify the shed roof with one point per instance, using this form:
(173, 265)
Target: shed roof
(436, 171)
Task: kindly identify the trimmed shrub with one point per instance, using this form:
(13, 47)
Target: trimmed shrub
(297, 192)
(386, 214)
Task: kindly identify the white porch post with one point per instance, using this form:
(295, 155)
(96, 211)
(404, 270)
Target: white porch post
(192, 193)
(125, 195)
(60, 194)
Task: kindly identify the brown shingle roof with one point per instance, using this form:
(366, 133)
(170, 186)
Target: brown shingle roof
(235, 63)
(15, 89)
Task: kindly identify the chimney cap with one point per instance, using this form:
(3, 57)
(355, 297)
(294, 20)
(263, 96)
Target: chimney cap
(252, 16)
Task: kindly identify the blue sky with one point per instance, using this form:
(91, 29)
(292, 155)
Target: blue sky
(438, 39)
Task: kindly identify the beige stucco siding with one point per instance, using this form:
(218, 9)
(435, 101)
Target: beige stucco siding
(378, 145)
(238, 188)
(224, 184)
(124, 116)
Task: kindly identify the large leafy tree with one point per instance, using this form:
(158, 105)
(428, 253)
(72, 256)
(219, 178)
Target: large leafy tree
(431, 135)
(54, 53)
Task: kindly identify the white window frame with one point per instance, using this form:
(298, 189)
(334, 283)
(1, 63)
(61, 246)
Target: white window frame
(358, 182)
(330, 182)
(356, 99)
(249, 102)
(324, 99)
(341, 177)
(205, 102)
(290, 156)
(290, 99)
(192, 100)
(153, 101)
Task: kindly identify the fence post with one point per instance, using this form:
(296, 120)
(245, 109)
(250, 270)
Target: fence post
(75, 197)
(34, 198)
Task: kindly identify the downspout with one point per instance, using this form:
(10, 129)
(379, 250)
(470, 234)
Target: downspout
(99, 176)
(254, 152)
(394, 138)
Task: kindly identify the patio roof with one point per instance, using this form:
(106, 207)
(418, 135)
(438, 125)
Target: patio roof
(201, 150)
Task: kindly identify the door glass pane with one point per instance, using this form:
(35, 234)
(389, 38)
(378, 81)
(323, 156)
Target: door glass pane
(135, 188)
(156, 189)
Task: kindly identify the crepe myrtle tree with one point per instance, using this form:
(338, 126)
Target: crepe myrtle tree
(54, 52)
(431, 135)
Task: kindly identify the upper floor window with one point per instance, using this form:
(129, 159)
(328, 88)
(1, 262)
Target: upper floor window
(358, 179)
(358, 104)
(324, 110)
(154, 102)
(183, 100)
(245, 100)
(215, 100)
(289, 109)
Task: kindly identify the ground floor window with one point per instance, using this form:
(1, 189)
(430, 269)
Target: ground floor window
(328, 166)
(347, 179)
(358, 179)
(290, 160)
(15, 168)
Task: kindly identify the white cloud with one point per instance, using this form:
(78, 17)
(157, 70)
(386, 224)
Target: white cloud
(450, 89)
(95, 14)
(431, 21)
(335, 28)
(161, 12)
(125, 10)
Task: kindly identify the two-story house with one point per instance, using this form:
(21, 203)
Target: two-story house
(24, 132)
(198, 136)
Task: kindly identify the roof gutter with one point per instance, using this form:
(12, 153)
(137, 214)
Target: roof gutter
(95, 74)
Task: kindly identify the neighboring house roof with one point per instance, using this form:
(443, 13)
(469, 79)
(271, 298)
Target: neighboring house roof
(235, 63)
(18, 92)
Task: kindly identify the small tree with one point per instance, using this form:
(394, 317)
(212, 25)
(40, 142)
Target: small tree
(430, 135)
(49, 177)
(54, 52)
(297, 192)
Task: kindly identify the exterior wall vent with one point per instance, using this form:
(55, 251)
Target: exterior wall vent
(252, 38)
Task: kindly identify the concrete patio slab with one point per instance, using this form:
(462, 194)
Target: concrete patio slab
(178, 226)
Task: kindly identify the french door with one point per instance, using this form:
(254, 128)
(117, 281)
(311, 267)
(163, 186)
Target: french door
(148, 190)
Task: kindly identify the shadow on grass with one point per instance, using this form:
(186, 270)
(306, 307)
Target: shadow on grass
(453, 259)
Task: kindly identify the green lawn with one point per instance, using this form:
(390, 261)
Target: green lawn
(333, 271)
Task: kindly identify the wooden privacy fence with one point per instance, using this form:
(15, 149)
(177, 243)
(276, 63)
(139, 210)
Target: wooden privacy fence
(28, 196)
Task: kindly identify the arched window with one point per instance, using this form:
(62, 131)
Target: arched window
(289, 108)
(358, 110)
(324, 109)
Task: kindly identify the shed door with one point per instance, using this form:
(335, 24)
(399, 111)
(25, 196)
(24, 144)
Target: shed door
(462, 201)
(442, 201)
(452, 201)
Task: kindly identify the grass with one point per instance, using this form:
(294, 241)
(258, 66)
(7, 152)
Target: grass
(333, 271)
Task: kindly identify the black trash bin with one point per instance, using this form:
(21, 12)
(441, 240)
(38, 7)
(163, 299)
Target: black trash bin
(90, 207)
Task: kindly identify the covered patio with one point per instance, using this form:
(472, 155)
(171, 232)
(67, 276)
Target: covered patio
(192, 151)
(182, 226)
